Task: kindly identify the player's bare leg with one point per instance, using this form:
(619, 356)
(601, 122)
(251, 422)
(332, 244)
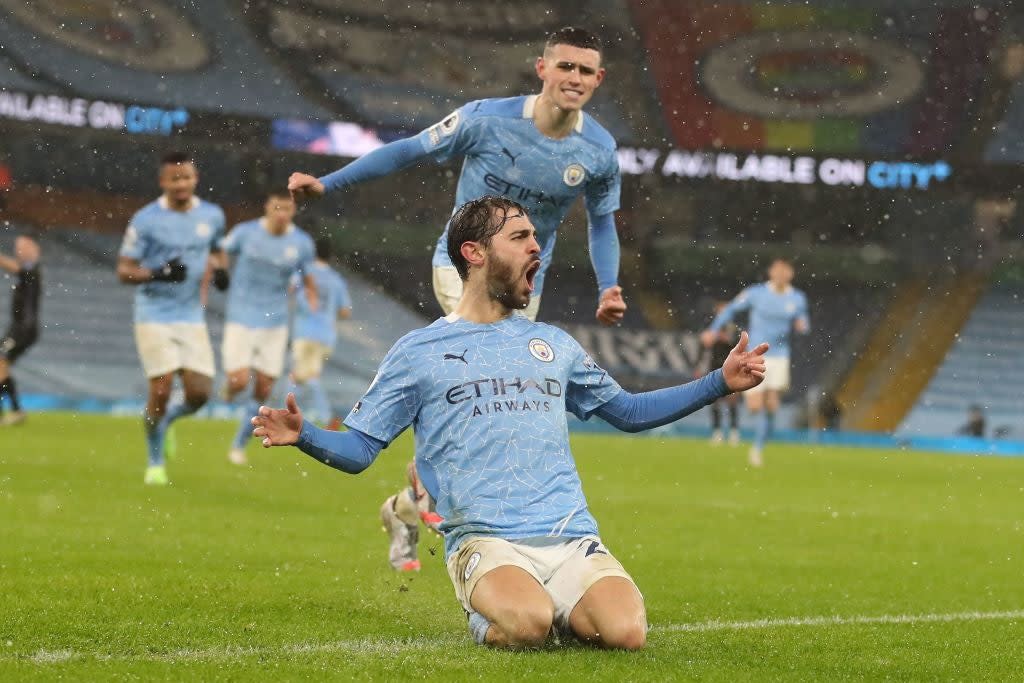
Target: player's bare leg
(755, 406)
(237, 381)
(518, 608)
(611, 615)
(262, 385)
(156, 408)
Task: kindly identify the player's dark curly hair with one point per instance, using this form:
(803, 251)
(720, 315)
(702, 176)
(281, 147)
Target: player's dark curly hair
(478, 221)
(576, 37)
(324, 248)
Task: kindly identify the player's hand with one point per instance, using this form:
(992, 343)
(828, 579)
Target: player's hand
(707, 338)
(172, 271)
(278, 427)
(304, 186)
(744, 369)
(611, 307)
(221, 279)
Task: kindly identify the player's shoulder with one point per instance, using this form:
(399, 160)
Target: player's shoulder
(246, 226)
(496, 107)
(210, 208)
(151, 210)
(596, 134)
(551, 334)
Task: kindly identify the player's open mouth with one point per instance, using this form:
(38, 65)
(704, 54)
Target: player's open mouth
(531, 272)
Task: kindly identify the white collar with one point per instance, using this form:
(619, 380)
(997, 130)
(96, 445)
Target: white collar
(164, 204)
(530, 104)
(453, 317)
(787, 290)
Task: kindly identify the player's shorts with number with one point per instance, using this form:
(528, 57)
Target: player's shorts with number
(169, 347)
(566, 568)
(776, 375)
(448, 291)
(260, 348)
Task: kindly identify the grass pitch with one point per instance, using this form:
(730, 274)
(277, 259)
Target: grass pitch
(829, 564)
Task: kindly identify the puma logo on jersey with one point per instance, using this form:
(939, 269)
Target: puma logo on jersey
(452, 356)
(510, 155)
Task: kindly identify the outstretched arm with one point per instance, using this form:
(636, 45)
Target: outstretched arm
(636, 412)
(378, 163)
(351, 451)
(604, 256)
(737, 305)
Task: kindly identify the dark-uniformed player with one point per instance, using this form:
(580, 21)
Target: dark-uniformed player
(24, 326)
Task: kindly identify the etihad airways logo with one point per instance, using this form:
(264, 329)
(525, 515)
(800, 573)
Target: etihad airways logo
(493, 395)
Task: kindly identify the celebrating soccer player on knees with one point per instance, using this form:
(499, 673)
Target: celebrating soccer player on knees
(776, 310)
(313, 330)
(165, 255)
(540, 150)
(24, 326)
(487, 391)
(263, 255)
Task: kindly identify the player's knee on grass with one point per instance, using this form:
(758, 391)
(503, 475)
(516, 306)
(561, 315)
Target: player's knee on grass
(522, 625)
(611, 615)
(628, 632)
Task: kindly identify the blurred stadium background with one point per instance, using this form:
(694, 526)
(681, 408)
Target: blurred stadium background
(881, 147)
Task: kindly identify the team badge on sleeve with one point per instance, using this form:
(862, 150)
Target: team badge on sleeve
(574, 175)
(131, 237)
(443, 129)
(541, 350)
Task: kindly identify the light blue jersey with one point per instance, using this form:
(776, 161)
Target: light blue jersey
(488, 406)
(263, 266)
(506, 155)
(772, 315)
(318, 325)
(158, 234)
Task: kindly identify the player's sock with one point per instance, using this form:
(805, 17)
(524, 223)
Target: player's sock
(12, 392)
(321, 404)
(478, 627)
(734, 416)
(761, 424)
(154, 441)
(245, 426)
(770, 424)
(716, 416)
(174, 412)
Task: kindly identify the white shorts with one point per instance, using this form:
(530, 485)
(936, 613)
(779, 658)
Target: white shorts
(566, 568)
(448, 291)
(776, 375)
(168, 347)
(308, 358)
(259, 348)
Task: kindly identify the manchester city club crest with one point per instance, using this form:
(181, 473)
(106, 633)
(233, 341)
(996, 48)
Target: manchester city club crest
(541, 350)
(291, 253)
(204, 230)
(574, 175)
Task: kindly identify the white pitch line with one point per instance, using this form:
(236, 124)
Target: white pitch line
(715, 625)
(394, 646)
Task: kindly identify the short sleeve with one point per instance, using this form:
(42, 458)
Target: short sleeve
(135, 240)
(453, 136)
(232, 242)
(219, 224)
(344, 300)
(590, 387)
(603, 191)
(392, 401)
(308, 254)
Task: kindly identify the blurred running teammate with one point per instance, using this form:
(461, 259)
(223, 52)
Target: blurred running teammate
(776, 309)
(166, 255)
(23, 330)
(540, 150)
(314, 332)
(723, 342)
(266, 252)
(486, 392)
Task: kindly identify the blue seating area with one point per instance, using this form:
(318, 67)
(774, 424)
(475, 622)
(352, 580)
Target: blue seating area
(87, 350)
(982, 368)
